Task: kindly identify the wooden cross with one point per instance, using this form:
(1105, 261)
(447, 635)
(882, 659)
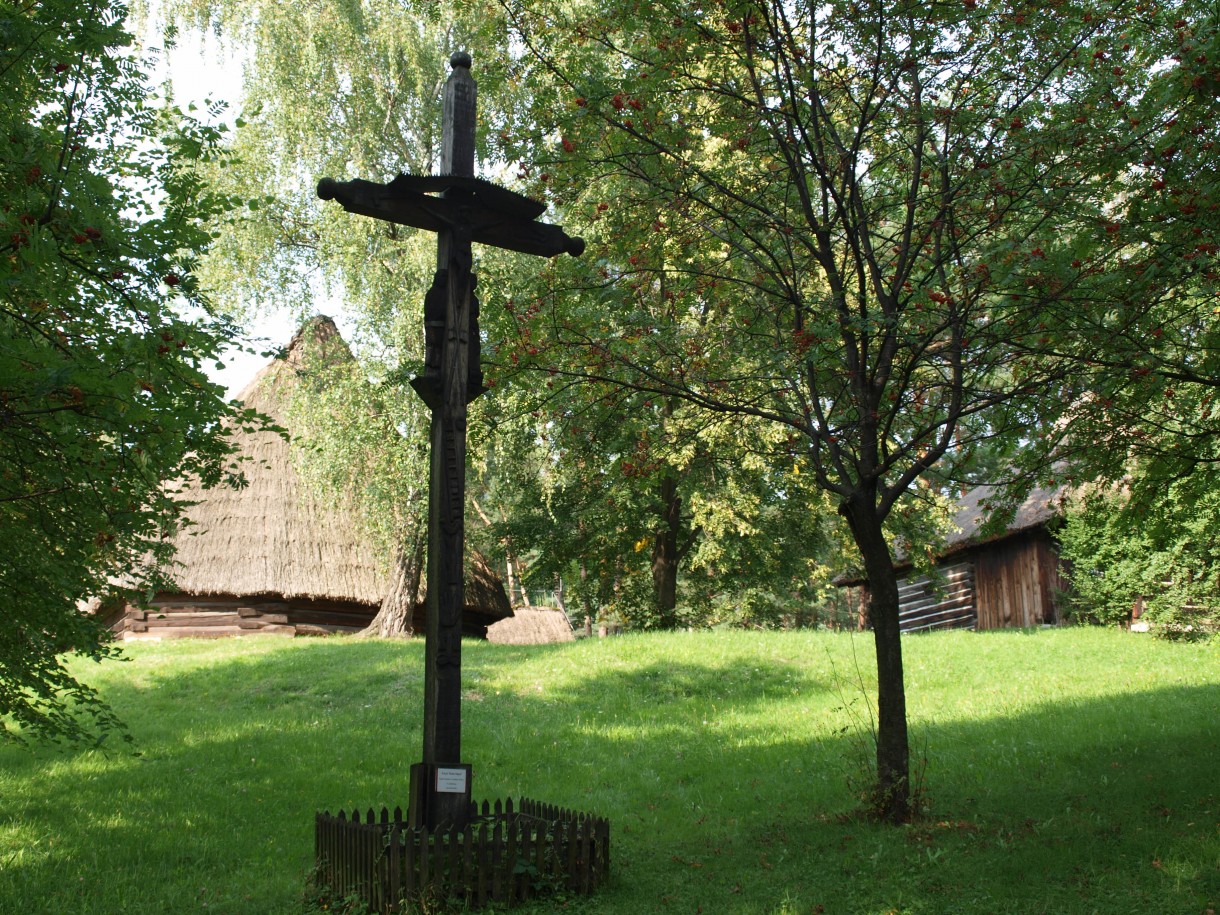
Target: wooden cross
(468, 209)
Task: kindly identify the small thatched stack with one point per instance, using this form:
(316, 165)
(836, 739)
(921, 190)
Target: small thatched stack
(532, 627)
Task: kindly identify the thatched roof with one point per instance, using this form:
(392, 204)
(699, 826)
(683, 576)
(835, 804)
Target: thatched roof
(482, 587)
(273, 536)
(1039, 507)
(971, 528)
(532, 627)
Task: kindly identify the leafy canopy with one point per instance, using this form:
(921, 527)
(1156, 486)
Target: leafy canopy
(103, 341)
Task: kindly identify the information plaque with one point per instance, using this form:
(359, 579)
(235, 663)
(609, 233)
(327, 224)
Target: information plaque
(450, 781)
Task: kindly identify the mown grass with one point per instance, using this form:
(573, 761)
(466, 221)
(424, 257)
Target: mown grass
(1067, 771)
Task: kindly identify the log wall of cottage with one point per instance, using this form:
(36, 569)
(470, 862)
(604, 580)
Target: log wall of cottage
(1006, 584)
(215, 616)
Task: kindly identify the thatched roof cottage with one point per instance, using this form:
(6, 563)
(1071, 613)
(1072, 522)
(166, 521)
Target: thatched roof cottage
(985, 579)
(273, 558)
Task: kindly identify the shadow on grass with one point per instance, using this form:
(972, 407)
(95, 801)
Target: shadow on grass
(723, 780)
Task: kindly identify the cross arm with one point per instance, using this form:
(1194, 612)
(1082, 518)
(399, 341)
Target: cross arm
(381, 201)
(493, 215)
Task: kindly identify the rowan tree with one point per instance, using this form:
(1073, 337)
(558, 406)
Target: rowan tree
(104, 338)
(1157, 352)
(877, 226)
(1147, 432)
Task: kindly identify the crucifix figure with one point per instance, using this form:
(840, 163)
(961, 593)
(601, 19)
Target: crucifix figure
(461, 209)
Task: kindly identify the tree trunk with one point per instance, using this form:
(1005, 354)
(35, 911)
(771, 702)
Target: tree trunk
(893, 797)
(522, 593)
(510, 571)
(665, 553)
(586, 599)
(393, 619)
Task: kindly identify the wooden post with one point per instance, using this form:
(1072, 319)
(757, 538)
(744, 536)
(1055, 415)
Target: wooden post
(430, 805)
(467, 210)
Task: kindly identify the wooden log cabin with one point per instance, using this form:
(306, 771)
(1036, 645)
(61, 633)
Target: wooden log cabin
(984, 579)
(272, 558)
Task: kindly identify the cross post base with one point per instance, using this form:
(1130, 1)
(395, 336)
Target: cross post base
(440, 796)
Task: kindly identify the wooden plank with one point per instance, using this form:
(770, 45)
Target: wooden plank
(270, 629)
(254, 620)
(425, 860)
(364, 848)
(468, 875)
(191, 617)
(319, 849)
(521, 881)
(228, 621)
(952, 602)
(484, 862)
(197, 632)
(410, 882)
(340, 882)
(368, 838)
(603, 848)
(540, 843)
(586, 855)
(394, 850)
(572, 853)
(946, 604)
(453, 866)
(964, 603)
(497, 859)
(965, 622)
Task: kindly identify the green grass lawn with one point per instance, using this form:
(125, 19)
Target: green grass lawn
(1067, 771)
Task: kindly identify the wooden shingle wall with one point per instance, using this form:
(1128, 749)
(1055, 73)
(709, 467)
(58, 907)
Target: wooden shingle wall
(1016, 580)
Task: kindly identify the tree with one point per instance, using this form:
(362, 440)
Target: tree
(345, 90)
(331, 91)
(355, 437)
(1149, 420)
(651, 512)
(103, 339)
(879, 227)
(1146, 432)
(1160, 558)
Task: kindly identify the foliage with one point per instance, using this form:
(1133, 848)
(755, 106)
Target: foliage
(1148, 427)
(346, 90)
(103, 339)
(893, 234)
(603, 488)
(1150, 418)
(1162, 558)
(346, 425)
(355, 93)
(716, 756)
(890, 231)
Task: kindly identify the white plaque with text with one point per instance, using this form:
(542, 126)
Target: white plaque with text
(451, 781)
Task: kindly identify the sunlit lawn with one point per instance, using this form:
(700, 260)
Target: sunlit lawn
(1066, 771)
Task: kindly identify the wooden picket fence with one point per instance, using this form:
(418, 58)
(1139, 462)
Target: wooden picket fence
(502, 855)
